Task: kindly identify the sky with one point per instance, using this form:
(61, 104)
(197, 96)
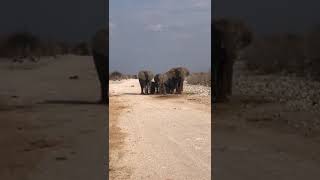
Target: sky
(268, 16)
(157, 35)
(72, 20)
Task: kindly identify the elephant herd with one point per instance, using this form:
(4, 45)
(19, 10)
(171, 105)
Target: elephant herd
(169, 82)
(229, 37)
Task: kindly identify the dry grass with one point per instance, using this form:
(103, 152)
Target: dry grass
(285, 53)
(200, 79)
(28, 44)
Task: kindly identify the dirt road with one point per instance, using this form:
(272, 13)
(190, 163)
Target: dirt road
(166, 137)
(50, 126)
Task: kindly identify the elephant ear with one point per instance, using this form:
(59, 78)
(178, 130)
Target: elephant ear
(171, 73)
(141, 75)
(150, 74)
(185, 72)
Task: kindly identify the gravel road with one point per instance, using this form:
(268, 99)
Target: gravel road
(167, 137)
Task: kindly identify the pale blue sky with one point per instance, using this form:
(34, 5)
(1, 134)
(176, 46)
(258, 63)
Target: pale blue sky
(159, 34)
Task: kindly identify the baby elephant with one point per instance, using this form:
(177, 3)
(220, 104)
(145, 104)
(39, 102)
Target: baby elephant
(145, 78)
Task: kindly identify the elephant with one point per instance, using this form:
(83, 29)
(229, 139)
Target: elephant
(157, 82)
(176, 77)
(145, 78)
(163, 83)
(100, 52)
(230, 37)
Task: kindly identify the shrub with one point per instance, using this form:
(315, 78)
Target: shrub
(276, 53)
(201, 78)
(115, 76)
(82, 48)
(20, 44)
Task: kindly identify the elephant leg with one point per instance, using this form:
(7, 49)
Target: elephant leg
(101, 66)
(147, 88)
(182, 81)
(178, 88)
(142, 86)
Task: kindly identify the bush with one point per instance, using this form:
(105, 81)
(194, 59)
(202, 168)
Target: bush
(82, 48)
(20, 44)
(23, 44)
(276, 53)
(201, 78)
(115, 76)
(312, 50)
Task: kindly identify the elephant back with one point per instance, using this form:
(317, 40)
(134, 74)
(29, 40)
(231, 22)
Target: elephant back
(178, 72)
(145, 75)
(182, 72)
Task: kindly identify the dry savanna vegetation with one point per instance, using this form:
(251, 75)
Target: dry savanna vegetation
(201, 78)
(26, 44)
(286, 53)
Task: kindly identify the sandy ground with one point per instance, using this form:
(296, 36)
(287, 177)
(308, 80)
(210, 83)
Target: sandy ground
(166, 137)
(50, 126)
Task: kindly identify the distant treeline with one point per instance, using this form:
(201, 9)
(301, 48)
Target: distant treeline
(26, 43)
(201, 78)
(116, 75)
(287, 53)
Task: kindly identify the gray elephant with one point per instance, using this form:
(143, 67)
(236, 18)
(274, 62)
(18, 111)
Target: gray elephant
(233, 35)
(176, 77)
(100, 51)
(145, 78)
(163, 83)
(157, 82)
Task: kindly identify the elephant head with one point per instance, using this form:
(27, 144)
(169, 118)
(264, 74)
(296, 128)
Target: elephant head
(162, 83)
(235, 34)
(176, 78)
